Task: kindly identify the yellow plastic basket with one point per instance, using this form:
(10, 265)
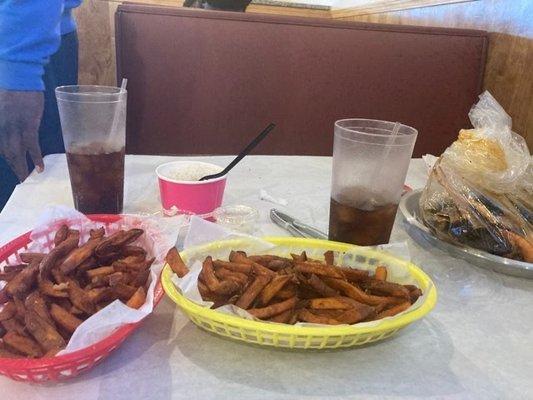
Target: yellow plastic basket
(300, 337)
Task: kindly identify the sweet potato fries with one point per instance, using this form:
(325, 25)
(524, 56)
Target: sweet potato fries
(48, 296)
(288, 290)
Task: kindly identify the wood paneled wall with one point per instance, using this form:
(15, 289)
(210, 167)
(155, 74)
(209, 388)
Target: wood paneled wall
(363, 7)
(508, 75)
(96, 51)
(509, 70)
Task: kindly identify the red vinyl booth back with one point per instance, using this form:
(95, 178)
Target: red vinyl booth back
(205, 82)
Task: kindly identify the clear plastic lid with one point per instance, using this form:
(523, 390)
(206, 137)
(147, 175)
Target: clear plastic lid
(240, 218)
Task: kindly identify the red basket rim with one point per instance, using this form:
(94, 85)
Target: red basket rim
(98, 347)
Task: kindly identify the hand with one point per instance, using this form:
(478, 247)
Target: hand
(20, 116)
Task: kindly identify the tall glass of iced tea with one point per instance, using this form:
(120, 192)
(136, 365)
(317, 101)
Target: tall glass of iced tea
(370, 161)
(93, 121)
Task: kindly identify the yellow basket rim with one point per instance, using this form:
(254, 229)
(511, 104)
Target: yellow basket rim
(387, 324)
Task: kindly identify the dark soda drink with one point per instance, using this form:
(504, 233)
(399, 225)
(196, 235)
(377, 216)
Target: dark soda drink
(97, 179)
(362, 227)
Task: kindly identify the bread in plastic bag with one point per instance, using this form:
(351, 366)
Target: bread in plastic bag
(480, 190)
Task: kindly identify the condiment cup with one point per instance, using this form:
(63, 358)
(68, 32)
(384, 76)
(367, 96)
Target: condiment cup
(189, 197)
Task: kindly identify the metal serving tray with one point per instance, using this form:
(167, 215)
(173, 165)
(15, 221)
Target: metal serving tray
(419, 232)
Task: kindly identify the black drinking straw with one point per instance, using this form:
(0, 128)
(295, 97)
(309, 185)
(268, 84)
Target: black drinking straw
(242, 154)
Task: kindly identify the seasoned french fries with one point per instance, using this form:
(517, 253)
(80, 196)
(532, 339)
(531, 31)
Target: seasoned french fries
(319, 269)
(79, 297)
(379, 287)
(355, 315)
(47, 288)
(381, 273)
(21, 284)
(278, 265)
(414, 293)
(99, 295)
(22, 344)
(8, 311)
(274, 309)
(97, 233)
(354, 275)
(240, 257)
(21, 309)
(329, 303)
(252, 291)
(29, 258)
(282, 318)
(48, 296)
(114, 243)
(13, 325)
(99, 272)
(226, 274)
(394, 310)
(123, 291)
(305, 315)
(263, 260)
(57, 253)
(5, 353)
(270, 290)
(329, 257)
(233, 266)
(132, 250)
(209, 276)
(61, 234)
(36, 303)
(288, 290)
(354, 292)
(299, 257)
(80, 255)
(219, 287)
(138, 298)
(321, 287)
(44, 332)
(138, 280)
(14, 268)
(176, 263)
(8, 275)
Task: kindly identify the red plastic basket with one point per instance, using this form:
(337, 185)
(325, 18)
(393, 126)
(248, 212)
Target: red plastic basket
(69, 365)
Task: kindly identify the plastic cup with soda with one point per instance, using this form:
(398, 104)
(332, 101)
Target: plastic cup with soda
(93, 121)
(370, 162)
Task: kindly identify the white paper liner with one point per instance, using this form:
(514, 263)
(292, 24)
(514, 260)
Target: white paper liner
(202, 232)
(156, 240)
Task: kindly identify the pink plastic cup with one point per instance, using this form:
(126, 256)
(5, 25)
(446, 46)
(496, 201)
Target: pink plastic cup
(189, 197)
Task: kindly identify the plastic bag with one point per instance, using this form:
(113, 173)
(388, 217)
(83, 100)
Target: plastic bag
(480, 190)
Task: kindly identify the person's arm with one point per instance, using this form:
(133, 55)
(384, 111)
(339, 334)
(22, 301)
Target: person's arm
(29, 35)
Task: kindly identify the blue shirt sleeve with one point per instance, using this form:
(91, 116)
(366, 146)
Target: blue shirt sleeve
(68, 24)
(29, 35)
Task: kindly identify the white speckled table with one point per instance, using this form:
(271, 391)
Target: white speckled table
(476, 344)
